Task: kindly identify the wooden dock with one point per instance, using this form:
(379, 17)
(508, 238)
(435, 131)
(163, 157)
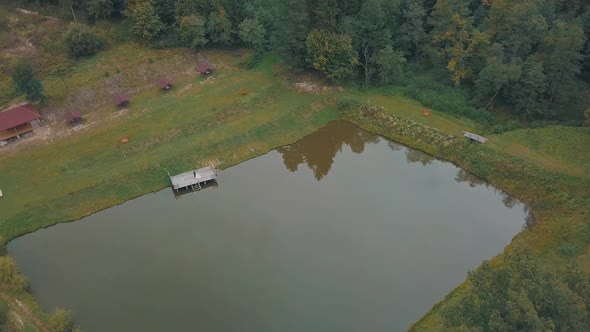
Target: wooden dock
(194, 179)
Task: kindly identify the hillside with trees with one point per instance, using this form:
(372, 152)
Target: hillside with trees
(528, 58)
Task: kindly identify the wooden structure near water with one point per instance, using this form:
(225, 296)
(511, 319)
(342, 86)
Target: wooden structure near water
(194, 180)
(475, 137)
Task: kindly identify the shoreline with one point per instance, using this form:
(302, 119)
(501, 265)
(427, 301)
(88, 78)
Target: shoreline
(548, 194)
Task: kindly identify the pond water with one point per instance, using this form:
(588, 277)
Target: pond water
(341, 231)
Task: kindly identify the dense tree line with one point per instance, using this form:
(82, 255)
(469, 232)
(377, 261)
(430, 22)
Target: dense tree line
(530, 56)
(520, 296)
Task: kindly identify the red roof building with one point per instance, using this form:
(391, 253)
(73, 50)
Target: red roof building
(73, 116)
(165, 83)
(204, 68)
(121, 99)
(17, 120)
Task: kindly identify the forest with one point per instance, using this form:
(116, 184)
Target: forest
(525, 58)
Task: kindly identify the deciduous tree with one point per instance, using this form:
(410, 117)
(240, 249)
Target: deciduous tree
(191, 30)
(145, 22)
(391, 65)
(99, 9)
(331, 54)
(219, 27)
(370, 34)
(455, 37)
(252, 32)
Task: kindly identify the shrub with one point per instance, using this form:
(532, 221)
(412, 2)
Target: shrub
(61, 321)
(348, 104)
(10, 276)
(169, 39)
(568, 249)
(81, 41)
(509, 126)
(251, 60)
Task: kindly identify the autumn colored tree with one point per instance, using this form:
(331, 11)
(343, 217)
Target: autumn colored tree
(331, 54)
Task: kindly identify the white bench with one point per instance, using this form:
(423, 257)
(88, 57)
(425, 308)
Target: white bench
(475, 137)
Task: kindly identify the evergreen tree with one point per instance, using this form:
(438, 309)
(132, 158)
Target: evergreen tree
(26, 82)
(564, 45)
(413, 36)
(292, 32)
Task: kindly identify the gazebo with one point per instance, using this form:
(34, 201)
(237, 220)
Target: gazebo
(121, 99)
(204, 68)
(165, 83)
(73, 116)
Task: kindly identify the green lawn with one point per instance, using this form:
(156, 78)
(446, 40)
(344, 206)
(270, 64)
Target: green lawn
(562, 149)
(197, 122)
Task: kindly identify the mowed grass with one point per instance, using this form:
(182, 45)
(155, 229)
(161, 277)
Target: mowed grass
(198, 122)
(561, 149)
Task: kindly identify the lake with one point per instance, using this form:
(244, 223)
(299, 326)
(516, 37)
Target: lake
(341, 231)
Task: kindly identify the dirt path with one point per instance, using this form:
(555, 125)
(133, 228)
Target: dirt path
(23, 312)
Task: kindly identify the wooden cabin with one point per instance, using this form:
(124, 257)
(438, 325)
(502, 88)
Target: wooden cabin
(165, 83)
(73, 116)
(17, 121)
(121, 100)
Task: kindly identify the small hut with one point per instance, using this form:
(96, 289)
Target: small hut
(73, 116)
(204, 68)
(17, 121)
(165, 83)
(121, 99)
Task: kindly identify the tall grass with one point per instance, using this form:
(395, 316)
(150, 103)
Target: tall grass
(445, 98)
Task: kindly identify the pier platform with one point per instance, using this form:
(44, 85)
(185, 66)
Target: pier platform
(194, 179)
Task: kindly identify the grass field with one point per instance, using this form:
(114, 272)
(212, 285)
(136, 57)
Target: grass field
(199, 121)
(209, 120)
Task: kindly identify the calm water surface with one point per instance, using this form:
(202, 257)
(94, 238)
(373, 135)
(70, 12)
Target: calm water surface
(342, 231)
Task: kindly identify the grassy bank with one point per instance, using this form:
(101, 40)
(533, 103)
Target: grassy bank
(553, 184)
(63, 175)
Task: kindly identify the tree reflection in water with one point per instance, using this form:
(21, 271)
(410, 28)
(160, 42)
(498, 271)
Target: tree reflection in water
(319, 149)
(471, 179)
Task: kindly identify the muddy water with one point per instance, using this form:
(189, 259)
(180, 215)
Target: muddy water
(342, 231)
